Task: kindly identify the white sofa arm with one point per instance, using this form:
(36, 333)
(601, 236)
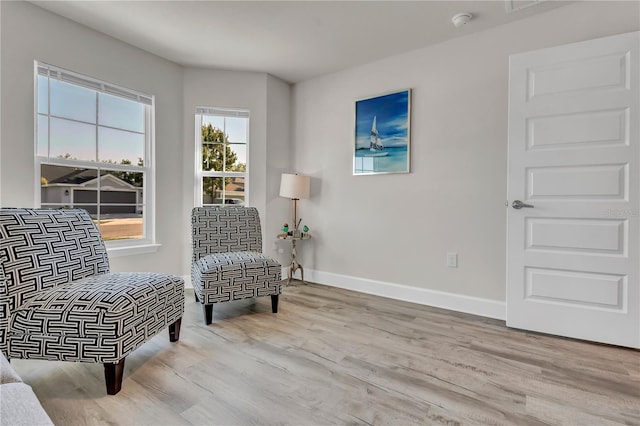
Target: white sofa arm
(18, 404)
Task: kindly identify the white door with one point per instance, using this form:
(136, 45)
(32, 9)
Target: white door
(573, 264)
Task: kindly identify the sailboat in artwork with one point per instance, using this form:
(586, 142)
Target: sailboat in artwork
(376, 149)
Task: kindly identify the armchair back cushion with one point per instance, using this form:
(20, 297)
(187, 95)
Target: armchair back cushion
(41, 249)
(225, 229)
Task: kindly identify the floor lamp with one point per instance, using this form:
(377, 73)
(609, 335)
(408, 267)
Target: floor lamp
(295, 187)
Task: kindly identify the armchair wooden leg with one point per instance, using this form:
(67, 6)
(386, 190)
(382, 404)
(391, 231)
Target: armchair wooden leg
(208, 313)
(113, 376)
(274, 303)
(196, 295)
(174, 330)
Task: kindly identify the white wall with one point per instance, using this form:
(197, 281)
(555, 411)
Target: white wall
(267, 98)
(30, 33)
(392, 228)
(397, 228)
(278, 161)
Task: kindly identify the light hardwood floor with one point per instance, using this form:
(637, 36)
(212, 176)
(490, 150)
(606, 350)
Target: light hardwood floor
(333, 356)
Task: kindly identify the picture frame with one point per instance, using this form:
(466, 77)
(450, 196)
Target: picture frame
(382, 134)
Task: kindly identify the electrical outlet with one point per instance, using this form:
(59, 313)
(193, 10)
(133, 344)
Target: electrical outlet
(452, 260)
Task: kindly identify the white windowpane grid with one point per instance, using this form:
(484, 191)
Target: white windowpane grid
(234, 128)
(214, 120)
(224, 157)
(72, 140)
(239, 151)
(115, 201)
(43, 95)
(120, 113)
(223, 190)
(42, 141)
(72, 102)
(223, 146)
(88, 127)
(120, 146)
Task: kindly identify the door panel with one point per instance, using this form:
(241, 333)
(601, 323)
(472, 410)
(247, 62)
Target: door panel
(575, 131)
(572, 259)
(587, 73)
(603, 182)
(582, 236)
(580, 288)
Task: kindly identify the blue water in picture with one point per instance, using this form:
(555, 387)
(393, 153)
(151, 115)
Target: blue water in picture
(395, 161)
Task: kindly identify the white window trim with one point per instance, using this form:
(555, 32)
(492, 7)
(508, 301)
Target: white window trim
(199, 173)
(115, 248)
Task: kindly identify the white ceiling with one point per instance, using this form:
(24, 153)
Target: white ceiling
(293, 40)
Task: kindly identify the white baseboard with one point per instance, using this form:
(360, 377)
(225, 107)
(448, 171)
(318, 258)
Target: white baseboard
(439, 299)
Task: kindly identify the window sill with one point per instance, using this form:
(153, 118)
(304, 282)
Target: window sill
(130, 250)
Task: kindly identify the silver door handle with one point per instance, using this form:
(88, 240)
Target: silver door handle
(517, 204)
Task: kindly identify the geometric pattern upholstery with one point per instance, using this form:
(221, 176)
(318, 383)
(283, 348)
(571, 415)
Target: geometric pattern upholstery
(58, 300)
(40, 249)
(120, 311)
(225, 229)
(228, 263)
(222, 277)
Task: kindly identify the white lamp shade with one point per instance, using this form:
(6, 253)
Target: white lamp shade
(294, 186)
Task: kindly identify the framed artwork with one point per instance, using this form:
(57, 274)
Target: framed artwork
(382, 134)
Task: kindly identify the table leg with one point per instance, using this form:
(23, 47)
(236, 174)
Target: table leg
(294, 266)
(290, 274)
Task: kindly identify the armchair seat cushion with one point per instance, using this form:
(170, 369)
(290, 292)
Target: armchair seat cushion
(220, 269)
(117, 310)
(221, 277)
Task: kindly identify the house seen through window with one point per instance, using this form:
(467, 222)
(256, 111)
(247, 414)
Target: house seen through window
(222, 137)
(93, 151)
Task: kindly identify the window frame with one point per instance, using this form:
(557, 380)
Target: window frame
(200, 174)
(147, 243)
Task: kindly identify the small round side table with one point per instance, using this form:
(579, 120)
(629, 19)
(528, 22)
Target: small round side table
(294, 266)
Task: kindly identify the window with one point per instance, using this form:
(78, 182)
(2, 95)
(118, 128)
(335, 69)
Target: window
(93, 149)
(222, 138)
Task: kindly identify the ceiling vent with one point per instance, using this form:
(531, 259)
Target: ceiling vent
(516, 5)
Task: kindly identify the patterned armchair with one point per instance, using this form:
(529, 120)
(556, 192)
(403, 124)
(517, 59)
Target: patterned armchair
(228, 263)
(58, 300)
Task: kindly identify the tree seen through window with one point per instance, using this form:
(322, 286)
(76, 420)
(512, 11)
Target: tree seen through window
(218, 156)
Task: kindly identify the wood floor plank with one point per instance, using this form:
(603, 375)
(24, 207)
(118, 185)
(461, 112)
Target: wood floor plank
(332, 356)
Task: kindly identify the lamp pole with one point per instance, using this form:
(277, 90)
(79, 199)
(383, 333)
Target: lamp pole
(295, 213)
